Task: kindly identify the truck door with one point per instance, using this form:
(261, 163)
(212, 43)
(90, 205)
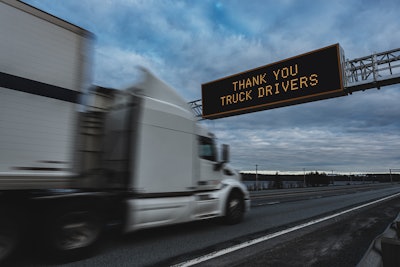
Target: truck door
(210, 174)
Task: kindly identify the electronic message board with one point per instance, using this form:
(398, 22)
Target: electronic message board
(308, 77)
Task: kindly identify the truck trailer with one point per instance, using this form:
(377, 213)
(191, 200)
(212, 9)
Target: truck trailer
(76, 158)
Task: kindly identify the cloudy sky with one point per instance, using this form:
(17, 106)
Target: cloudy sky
(187, 43)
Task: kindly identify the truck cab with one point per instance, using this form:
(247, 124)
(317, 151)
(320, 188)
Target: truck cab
(154, 148)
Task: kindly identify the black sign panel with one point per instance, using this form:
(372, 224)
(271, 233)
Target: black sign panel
(309, 77)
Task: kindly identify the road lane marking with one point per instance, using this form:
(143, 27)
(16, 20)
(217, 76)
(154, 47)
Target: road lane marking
(265, 204)
(225, 251)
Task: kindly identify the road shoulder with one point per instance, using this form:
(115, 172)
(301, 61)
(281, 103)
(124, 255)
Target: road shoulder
(341, 241)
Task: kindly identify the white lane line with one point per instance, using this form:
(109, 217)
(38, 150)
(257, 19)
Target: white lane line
(219, 253)
(268, 203)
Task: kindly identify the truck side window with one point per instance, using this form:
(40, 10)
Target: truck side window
(207, 148)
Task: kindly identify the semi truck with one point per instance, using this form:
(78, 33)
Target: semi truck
(77, 158)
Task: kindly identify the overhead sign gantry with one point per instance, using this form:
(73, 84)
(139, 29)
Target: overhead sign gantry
(309, 77)
(316, 75)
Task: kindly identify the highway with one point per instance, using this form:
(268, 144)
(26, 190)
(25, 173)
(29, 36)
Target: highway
(270, 197)
(272, 211)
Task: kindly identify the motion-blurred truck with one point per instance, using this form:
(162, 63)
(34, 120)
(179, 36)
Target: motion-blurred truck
(76, 159)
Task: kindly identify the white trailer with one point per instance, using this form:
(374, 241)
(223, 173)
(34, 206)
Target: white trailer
(136, 157)
(44, 65)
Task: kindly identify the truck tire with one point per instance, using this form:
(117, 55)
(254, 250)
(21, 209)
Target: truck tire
(234, 208)
(75, 234)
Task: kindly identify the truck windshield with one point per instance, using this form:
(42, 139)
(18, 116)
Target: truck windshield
(207, 149)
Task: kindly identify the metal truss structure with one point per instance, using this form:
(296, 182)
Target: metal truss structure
(373, 71)
(196, 106)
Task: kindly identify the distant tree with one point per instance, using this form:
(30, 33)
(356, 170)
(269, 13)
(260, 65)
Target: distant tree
(317, 179)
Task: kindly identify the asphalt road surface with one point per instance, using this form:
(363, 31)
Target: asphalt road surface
(342, 241)
(271, 212)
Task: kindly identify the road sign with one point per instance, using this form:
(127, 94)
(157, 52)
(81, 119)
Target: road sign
(308, 77)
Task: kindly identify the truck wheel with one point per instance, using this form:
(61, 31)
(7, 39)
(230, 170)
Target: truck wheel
(234, 209)
(74, 234)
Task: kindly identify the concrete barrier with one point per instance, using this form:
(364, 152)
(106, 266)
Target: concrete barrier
(385, 249)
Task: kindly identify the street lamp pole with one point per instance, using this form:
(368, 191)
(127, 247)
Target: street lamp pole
(256, 178)
(391, 179)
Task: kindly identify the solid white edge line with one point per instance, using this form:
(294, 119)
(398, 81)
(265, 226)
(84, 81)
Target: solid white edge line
(216, 254)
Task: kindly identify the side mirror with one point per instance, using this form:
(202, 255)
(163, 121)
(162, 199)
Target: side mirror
(225, 153)
(225, 158)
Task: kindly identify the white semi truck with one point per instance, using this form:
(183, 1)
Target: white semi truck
(74, 159)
